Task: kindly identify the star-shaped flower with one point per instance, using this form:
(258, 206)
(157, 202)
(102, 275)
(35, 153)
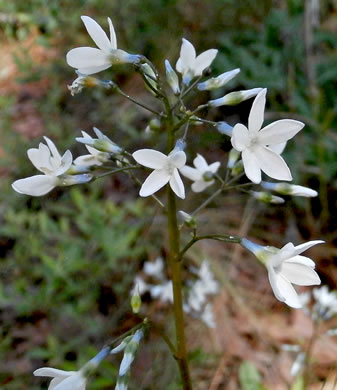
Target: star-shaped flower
(256, 144)
(202, 174)
(165, 170)
(63, 380)
(89, 60)
(285, 267)
(48, 160)
(95, 157)
(190, 65)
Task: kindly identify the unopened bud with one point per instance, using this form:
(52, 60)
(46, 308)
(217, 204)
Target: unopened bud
(267, 197)
(289, 189)
(232, 158)
(172, 78)
(234, 98)
(224, 128)
(136, 301)
(187, 219)
(219, 81)
(84, 81)
(237, 168)
(150, 76)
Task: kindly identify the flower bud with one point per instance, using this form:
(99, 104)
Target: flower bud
(219, 81)
(234, 98)
(84, 81)
(237, 168)
(102, 143)
(266, 197)
(232, 158)
(154, 125)
(224, 128)
(147, 71)
(70, 180)
(172, 78)
(136, 301)
(187, 219)
(289, 189)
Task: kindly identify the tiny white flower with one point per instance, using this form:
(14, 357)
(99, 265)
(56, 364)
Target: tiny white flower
(266, 197)
(95, 157)
(202, 174)
(298, 364)
(254, 143)
(47, 160)
(164, 292)
(286, 267)
(89, 60)
(154, 268)
(85, 81)
(290, 189)
(326, 302)
(207, 316)
(219, 81)
(172, 78)
(190, 65)
(102, 143)
(140, 285)
(63, 380)
(165, 171)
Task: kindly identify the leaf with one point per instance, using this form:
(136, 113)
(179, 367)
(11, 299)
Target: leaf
(249, 377)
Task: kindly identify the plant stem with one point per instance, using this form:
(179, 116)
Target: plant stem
(175, 265)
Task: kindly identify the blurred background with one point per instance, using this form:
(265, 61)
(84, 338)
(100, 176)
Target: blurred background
(68, 260)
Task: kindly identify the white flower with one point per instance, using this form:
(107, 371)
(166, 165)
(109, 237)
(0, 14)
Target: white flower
(89, 60)
(219, 81)
(63, 380)
(298, 364)
(48, 160)
(165, 170)
(202, 174)
(190, 65)
(286, 267)
(164, 292)
(326, 302)
(154, 268)
(254, 143)
(95, 157)
(102, 143)
(207, 316)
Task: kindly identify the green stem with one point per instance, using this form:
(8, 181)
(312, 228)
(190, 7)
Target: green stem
(175, 265)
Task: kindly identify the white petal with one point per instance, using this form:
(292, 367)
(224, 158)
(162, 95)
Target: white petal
(251, 166)
(87, 57)
(53, 149)
(87, 160)
(53, 372)
(300, 274)
(190, 173)
(214, 167)
(154, 182)
(54, 382)
(187, 56)
(240, 137)
(113, 38)
(305, 246)
(35, 185)
(66, 162)
(74, 382)
(200, 163)
(273, 283)
(301, 260)
(288, 292)
(177, 185)
(127, 360)
(201, 185)
(302, 191)
(94, 69)
(278, 148)
(97, 34)
(272, 164)
(150, 158)
(256, 114)
(178, 159)
(40, 157)
(204, 60)
(279, 131)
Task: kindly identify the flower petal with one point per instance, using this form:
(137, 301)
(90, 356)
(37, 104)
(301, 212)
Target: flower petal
(54, 382)
(97, 34)
(201, 185)
(113, 39)
(66, 162)
(94, 69)
(214, 167)
(273, 283)
(240, 137)
(177, 185)
(279, 131)
(301, 260)
(87, 57)
(256, 114)
(178, 159)
(251, 166)
(272, 164)
(154, 182)
(187, 56)
(40, 157)
(305, 246)
(278, 148)
(200, 163)
(87, 160)
(35, 185)
(53, 149)
(190, 173)
(288, 292)
(150, 158)
(74, 382)
(300, 274)
(53, 372)
(204, 60)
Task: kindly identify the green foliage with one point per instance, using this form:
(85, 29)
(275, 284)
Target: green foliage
(250, 378)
